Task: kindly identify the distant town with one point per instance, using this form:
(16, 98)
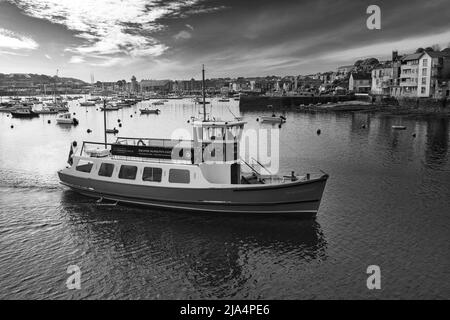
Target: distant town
(423, 73)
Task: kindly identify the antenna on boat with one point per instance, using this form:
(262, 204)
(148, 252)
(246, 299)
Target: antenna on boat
(203, 93)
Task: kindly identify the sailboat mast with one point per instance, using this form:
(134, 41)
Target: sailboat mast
(203, 92)
(104, 122)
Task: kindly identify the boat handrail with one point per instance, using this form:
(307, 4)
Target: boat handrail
(251, 168)
(261, 165)
(137, 140)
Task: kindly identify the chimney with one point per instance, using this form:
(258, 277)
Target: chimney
(394, 55)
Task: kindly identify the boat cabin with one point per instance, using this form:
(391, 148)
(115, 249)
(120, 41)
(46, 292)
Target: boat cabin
(214, 150)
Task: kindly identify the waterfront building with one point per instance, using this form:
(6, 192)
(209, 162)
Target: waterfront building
(409, 75)
(360, 83)
(158, 86)
(433, 69)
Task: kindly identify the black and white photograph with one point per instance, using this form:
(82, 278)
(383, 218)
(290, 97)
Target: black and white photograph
(205, 151)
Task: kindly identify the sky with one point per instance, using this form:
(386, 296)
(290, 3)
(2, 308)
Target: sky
(171, 39)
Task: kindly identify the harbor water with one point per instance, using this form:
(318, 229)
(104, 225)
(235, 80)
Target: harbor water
(387, 203)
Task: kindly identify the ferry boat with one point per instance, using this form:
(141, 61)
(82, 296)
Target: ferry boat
(205, 174)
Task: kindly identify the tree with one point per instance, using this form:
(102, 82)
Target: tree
(420, 50)
(436, 47)
(358, 63)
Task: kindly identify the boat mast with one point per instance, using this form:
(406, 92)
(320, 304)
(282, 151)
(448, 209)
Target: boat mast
(54, 88)
(203, 93)
(104, 121)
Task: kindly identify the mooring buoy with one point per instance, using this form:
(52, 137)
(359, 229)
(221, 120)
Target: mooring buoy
(89, 130)
(319, 131)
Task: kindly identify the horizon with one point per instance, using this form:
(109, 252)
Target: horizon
(151, 39)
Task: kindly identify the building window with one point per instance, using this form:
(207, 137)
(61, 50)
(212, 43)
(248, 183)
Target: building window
(152, 174)
(423, 90)
(128, 172)
(106, 170)
(424, 71)
(84, 166)
(424, 80)
(179, 176)
(425, 62)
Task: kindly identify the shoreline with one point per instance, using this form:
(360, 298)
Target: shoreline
(361, 106)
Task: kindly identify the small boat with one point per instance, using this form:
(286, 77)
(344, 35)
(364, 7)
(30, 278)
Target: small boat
(114, 131)
(149, 111)
(47, 110)
(158, 103)
(224, 100)
(66, 118)
(24, 113)
(110, 107)
(122, 104)
(87, 104)
(272, 119)
(62, 108)
(399, 127)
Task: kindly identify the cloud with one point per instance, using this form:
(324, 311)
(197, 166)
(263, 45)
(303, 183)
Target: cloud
(12, 40)
(385, 48)
(76, 59)
(48, 56)
(182, 35)
(112, 28)
(10, 53)
(190, 27)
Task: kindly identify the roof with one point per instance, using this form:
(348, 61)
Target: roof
(154, 83)
(361, 76)
(438, 54)
(414, 56)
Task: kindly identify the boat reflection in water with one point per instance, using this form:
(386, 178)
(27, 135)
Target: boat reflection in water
(130, 254)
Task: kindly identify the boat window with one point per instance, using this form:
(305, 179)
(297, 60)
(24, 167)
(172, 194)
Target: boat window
(106, 170)
(179, 176)
(84, 166)
(152, 174)
(128, 172)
